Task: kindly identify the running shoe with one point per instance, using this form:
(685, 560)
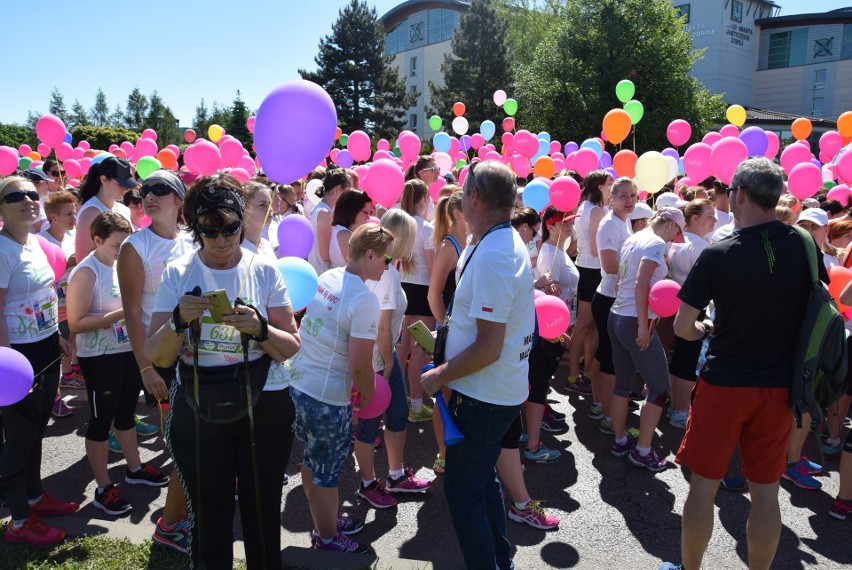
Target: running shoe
(832, 450)
(110, 501)
(60, 409)
(733, 484)
(408, 483)
(606, 427)
(580, 385)
(541, 455)
(801, 477)
(34, 532)
(678, 419)
(348, 525)
(439, 465)
(145, 430)
(670, 566)
(147, 475)
(113, 444)
(552, 425)
(72, 381)
(813, 468)
(49, 506)
(596, 412)
(651, 462)
(340, 543)
(533, 515)
(558, 416)
(622, 449)
(376, 494)
(841, 509)
(424, 415)
(176, 538)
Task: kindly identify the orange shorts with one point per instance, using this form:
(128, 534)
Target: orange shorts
(720, 417)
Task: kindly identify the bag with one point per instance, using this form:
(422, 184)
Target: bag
(222, 394)
(438, 357)
(820, 358)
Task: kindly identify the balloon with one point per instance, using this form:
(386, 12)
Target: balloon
(564, 193)
(625, 90)
(508, 124)
(841, 193)
(839, 277)
(189, 135)
(166, 157)
(460, 125)
(801, 128)
(232, 151)
(295, 237)
(844, 166)
(240, 175)
(652, 171)
(696, 161)
(435, 189)
(149, 134)
(616, 125)
(294, 130)
(215, 132)
(624, 163)
(678, 132)
(444, 161)
(344, 159)
(299, 277)
(435, 122)
(55, 257)
(359, 146)
(72, 168)
(585, 161)
(521, 165)
(409, 146)
(25, 149)
(383, 144)
(595, 145)
(552, 315)
(663, 299)
(205, 157)
(50, 130)
(84, 144)
(774, 144)
(8, 160)
(458, 109)
(830, 142)
(499, 97)
(44, 150)
(756, 141)
(536, 196)
(670, 152)
(377, 404)
(64, 151)
(635, 109)
(726, 156)
(144, 147)
(23, 163)
(844, 124)
(247, 164)
(736, 115)
(344, 139)
(729, 131)
(544, 167)
(250, 124)
(487, 130)
(794, 154)
(441, 142)
(477, 140)
(510, 107)
(386, 181)
(525, 143)
(146, 165)
(17, 374)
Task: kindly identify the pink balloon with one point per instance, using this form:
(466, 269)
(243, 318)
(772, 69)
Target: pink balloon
(112, 147)
(555, 147)
(444, 161)
(844, 166)
(174, 148)
(145, 147)
(85, 163)
(409, 145)
(79, 153)
(43, 150)
(250, 124)
(386, 181)
(72, 168)
(696, 161)
(120, 153)
(521, 165)
(50, 130)
(127, 147)
(84, 144)
(206, 157)
(830, 143)
(247, 163)
(507, 138)
(527, 144)
(553, 316)
(493, 155)
(24, 149)
(240, 175)
(805, 180)
(359, 146)
(585, 160)
(538, 293)
(8, 160)
(711, 138)
(841, 193)
(564, 193)
(663, 299)
(379, 154)
(793, 155)
(149, 134)
(726, 156)
(73, 183)
(64, 151)
(435, 189)
(463, 175)
(560, 164)
(774, 145)
(678, 132)
(455, 146)
(232, 152)
(481, 152)
(476, 141)
(729, 131)
(383, 144)
(377, 404)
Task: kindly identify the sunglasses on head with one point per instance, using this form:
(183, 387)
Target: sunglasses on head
(13, 197)
(227, 230)
(158, 190)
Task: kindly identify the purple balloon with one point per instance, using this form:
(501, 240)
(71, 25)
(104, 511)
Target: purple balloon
(464, 141)
(755, 140)
(606, 159)
(816, 163)
(671, 152)
(344, 158)
(611, 171)
(17, 374)
(570, 147)
(295, 237)
(294, 130)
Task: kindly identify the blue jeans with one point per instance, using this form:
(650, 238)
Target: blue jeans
(471, 486)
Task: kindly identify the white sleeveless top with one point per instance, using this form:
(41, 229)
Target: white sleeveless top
(106, 297)
(334, 251)
(584, 254)
(314, 256)
(94, 202)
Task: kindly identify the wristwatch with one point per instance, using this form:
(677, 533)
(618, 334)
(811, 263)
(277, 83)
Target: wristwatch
(264, 328)
(175, 323)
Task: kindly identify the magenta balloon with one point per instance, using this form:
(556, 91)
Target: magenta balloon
(17, 374)
(149, 134)
(481, 152)
(79, 153)
(240, 175)
(359, 146)
(50, 130)
(8, 160)
(344, 159)
(729, 131)
(386, 181)
(841, 193)
(377, 404)
(295, 237)
(520, 164)
(232, 152)
(435, 189)
(844, 166)
(206, 157)
(555, 147)
(830, 143)
(383, 144)
(455, 146)
(250, 124)
(663, 299)
(476, 141)
(84, 144)
(85, 163)
(793, 155)
(726, 156)
(755, 140)
(43, 150)
(188, 160)
(64, 151)
(557, 156)
(559, 163)
(72, 168)
(247, 164)
(585, 160)
(294, 129)
(24, 149)
(678, 132)
(711, 138)
(409, 145)
(526, 143)
(805, 180)
(564, 193)
(380, 154)
(493, 155)
(552, 314)
(175, 149)
(113, 147)
(696, 161)
(145, 147)
(774, 144)
(127, 147)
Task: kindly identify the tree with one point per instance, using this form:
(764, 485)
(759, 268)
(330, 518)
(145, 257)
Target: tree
(162, 120)
(236, 123)
(100, 112)
(16, 135)
(136, 110)
(477, 66)
(78, 117)
(57, 105)
(116, 119)
(366, 89)
(102, 137)
(569, 84)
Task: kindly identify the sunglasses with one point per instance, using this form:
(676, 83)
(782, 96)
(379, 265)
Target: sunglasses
(732, 188)
(388, 259)
(436, 169)
(158, 190)
(14, 197)
(54, 173)
(227, 231)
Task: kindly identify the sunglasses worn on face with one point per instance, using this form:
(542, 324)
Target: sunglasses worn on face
(227, 231)
(13, 197)
(54, 173)
(436, 169)
(388, 259)
(159, 190)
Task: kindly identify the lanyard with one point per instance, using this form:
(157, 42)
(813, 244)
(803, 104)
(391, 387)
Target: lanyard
(500, 226)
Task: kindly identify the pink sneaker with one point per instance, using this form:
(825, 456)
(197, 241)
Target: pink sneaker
(408, 483)
(533, 515)
(376, 495)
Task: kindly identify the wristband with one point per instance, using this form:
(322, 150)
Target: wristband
(175, 324)
(146, 368)
(264, 328)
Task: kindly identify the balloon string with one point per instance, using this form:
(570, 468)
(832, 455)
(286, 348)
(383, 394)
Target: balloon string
(43, 370)
(256, 247)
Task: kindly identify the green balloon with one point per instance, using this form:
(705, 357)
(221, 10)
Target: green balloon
(396, 152)
(511, 107)
(24, 162)
(828, 184)
(461, 163)
(435, 122)
(147, 165)
(625, 91)
(343, 139)
(635, 109)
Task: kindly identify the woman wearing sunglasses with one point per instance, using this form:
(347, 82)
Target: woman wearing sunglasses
(29, 326)
(353, 209)
(219, 421)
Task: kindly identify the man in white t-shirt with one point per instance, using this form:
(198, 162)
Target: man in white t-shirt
(490, 336)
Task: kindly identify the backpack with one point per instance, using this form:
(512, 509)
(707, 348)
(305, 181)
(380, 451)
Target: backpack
(820, 359)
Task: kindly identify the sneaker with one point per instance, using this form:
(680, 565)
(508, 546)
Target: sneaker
(408, 483)
(840, 509)
(376, 494)
(632, 405)
(671, 566)
(110, 501)
(286, 478)
(72, 381)
(424, 415)
(524, 439)
(813, 468)
(175, 538)
(733, 484)
(801, 477)
(553, 426)
(145, 430)
(606, 427)
(60, 409)
(348, 525)
(831, 450)
(49, 506)
(533, 515)
(113, 444)
(34, 532)
(541, 455)
(620, 450)
(147, 475)
(439, 465)
(581, 385)
(340, 543)
(678, 419)
(651, 462)
(596, 412)
(551, 413)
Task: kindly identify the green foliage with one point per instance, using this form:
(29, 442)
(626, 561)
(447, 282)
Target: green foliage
(16, 135)
(367, 91)
(236, 123)
(204, 117)
(136, 110)
(78, 116)
(102, 137)
(57, 105)
(162, 120)
(99, 114)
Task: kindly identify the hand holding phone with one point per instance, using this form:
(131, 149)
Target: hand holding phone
(421, 333)
(221, 305)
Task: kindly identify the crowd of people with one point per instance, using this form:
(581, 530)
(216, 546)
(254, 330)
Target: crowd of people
(172, 294)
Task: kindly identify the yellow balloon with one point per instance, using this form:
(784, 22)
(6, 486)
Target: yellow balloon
(215, 132)
(736, 115)
(652, 171)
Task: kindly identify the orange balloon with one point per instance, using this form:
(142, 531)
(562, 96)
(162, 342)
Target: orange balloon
(34, 155)
(337, 133)
(458, 109)
(840, 277)
(801, 128)
(167, 158)
(544, 167)
(624, 163)
(616, 125)
(120, 153)
(844, 124)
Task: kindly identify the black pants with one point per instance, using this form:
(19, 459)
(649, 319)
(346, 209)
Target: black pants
(226, 458)
(544, 360)
(25, 422)
(113, 382)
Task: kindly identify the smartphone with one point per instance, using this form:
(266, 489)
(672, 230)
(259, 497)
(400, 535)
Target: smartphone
(421, 333)
(221, 304)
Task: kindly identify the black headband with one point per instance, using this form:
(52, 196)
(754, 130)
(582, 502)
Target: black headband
(216, 198)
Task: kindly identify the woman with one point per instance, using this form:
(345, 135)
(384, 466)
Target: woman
(143, 257)
(700, 220)
(29, 326)
(133, 201)
(426, 169)
(840, 236)
(333, 185)
(210, 433)
(415, 201)
(634, 346)
(527, 223)
(113, 380)
(353, 209)
(102, 190)
(613, 231)
(340, 329)
(596, 191)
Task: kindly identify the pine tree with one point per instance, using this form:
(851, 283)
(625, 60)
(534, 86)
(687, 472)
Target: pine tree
(79, 117)
(57, 105)
(116, 119)
(201, 120)
(100, 112)
(236, 124)
(367, 91)
(161, 119)
(477, 66)
(136, 110)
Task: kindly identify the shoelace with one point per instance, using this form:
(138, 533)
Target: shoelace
(112, 495)
(150, 471)
(535, 506)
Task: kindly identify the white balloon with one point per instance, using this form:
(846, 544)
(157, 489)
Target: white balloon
(672, 167)
(460, 125)
(311, 191)
(444, 161)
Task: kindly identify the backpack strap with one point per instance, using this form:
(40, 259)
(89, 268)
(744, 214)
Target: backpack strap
(811, 250)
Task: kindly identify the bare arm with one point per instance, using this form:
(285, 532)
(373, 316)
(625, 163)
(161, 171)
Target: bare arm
(609, 261)
(361, 365)
(83, 243)
(429, 257)
(641, 290)
(483, 351)
(445, 260)
(385, 340)
(595, 217)
(343, 243)
(685, 325)
(131, 281)
(79, 300)
(324, 234)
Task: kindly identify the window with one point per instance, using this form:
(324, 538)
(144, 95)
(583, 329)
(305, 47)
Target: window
(442, 23)
(819, 79)
(412, 67)
(683, 12)
(412, 122)
(819, 106)
(412, 89)
(846, 44)
(787, 49)
(737, 11)
(396, 40)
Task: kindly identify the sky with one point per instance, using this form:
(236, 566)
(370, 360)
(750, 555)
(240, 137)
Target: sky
(186, 50)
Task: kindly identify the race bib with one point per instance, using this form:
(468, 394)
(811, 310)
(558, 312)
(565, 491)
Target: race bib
(120, 330)
(45, 311)
(219, 337)
(278, 378)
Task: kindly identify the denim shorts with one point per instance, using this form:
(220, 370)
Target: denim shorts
(325, 432)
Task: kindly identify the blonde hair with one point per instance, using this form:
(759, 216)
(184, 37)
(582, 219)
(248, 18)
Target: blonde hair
(367, 237)
(784, 214)
(444, 216)
(412, 193)
(13, 181)
(404, 230)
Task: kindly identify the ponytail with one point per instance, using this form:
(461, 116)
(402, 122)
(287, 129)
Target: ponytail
(92, 184)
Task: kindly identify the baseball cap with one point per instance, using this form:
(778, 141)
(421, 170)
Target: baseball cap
(816, 216)
(165, 178)
(641, 211)
(36, 175)
(676, 216)
(669, 200)
(118, 169)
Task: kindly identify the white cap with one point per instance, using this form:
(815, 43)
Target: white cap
(641, 211)
(669, 199)
(816, 216)
(810, 203)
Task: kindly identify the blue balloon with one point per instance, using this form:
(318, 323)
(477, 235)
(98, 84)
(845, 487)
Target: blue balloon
(301, 280)
(68, 137)
(680, 169)
(487, 129)
(570, 147)
(441, 141)
(536, 195)
(543, 150)
(544, 135)
(593, 144)
(100, 158)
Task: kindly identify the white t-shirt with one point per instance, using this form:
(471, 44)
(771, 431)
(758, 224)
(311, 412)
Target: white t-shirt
(612, 233)
(106, 297)
(582, 226)
(640, 246)
(419, 272)
(682, 256)
(563, 272)
(314, 257)
(496, 286)
(220, 343)
(343, 308)
(391, 297)
(31, 309)
(61, 286)
(334, 252)
(723, 232)
(155, 253)
(722, 218)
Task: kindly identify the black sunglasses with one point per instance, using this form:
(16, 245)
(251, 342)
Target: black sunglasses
(14, 197)
(227, 231)
(54, 173)
(157, 190)
(388, 259)
(732, 188)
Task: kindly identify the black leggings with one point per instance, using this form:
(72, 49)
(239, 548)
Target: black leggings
(113, 382)
(25, 422)
(601, 305)
(226, 458)
(544, 360)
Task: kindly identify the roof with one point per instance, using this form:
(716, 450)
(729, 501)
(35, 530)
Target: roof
(394, 15)
(841, 15)
(758, 116)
